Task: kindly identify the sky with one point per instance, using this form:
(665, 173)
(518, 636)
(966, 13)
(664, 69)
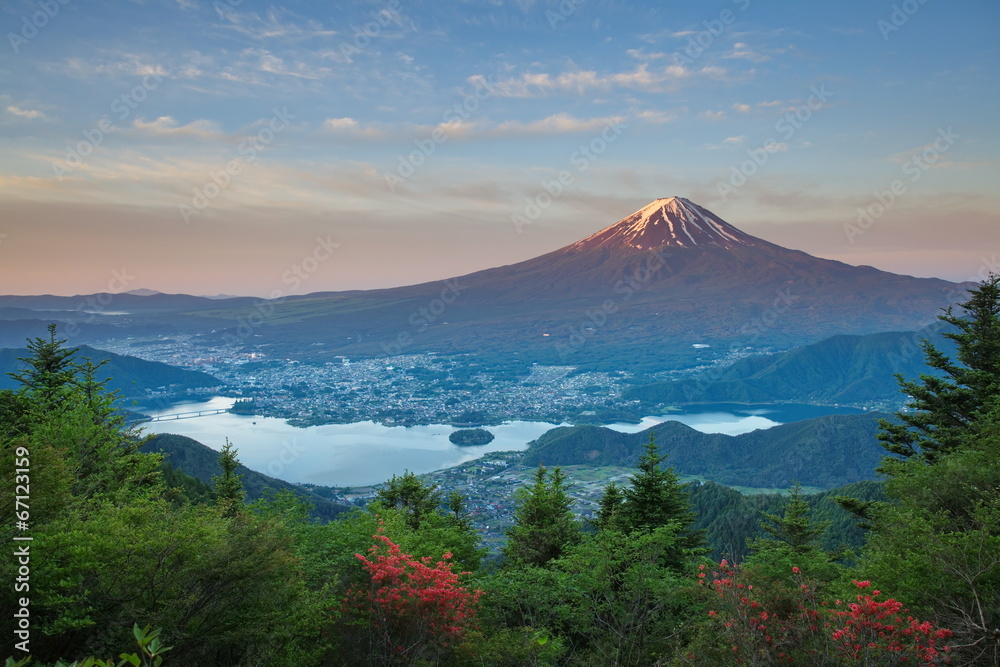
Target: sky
(251, 148)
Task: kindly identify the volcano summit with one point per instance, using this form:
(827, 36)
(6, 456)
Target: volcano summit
(666, 285)
(674, 221)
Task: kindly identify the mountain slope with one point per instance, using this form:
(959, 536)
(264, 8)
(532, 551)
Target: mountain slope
(653, 284)
(202, 462)
(825, 451)
(640, 292)
(841, 369)
(129, 375)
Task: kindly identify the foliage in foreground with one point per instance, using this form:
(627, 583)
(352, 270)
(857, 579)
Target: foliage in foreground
(226, 582)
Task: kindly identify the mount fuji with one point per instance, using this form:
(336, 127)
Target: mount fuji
(666, 285)
(661, 285)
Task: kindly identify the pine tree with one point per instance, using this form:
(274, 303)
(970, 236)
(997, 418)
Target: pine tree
(794, 527)
(544, 525)
(410, 495)
(229, 494)
(945, 405)
(50, 369)
(936, 543)
(609, 506)
(657, 498)
(458, 511)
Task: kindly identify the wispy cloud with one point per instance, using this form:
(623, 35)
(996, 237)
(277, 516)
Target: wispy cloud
(580, 82)
(742, 51)
(656, 117)
(560, 123)
(276, 23)
(27, 114)
(166, 126)
(352, 127)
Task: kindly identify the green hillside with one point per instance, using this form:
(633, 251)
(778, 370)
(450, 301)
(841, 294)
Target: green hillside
(201, 462)
(841, 369)
(129, 375)
(824, 452)
(730, 518)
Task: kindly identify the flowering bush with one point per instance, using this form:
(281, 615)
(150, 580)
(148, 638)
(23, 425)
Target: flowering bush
(785, 622)
(870, 628)
(411, 608)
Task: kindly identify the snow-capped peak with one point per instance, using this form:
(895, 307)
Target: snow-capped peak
(674, 221)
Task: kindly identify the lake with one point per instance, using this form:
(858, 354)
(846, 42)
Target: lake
(365, 453)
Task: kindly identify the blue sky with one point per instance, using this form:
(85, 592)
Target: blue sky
(212, 147)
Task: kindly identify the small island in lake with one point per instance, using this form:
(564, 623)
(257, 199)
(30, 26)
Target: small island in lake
(471, 437)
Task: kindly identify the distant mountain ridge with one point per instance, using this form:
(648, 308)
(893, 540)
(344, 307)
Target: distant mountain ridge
(841, 369)
(129, 375)
(640, 292)
(825, 451)
(202, 462)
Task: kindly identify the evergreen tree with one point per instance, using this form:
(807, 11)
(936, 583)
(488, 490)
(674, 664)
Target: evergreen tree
(458, 511)
(946, 404)
(609, 506)
(656, 498)
(793, 543)
(229, 493)
(50, 368)
(411, 496)
(936, 543)
(544, 525)
(795, 527)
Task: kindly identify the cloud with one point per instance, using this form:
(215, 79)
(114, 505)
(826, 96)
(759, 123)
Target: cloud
(656, 117)
(742, 108)
(579, 82)
(166, 126)
(275, 24)
(559, 123)
(352, 127)
(728, 142)
(743, 52)
(126, 64)
(712, 115)
(28, 114)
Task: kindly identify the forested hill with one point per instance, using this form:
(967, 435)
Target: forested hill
(841, 369)
(826, 451)
(202, 462)
(730, 518)
(129, 375)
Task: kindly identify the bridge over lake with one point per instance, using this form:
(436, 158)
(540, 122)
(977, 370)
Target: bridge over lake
(184, 415)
